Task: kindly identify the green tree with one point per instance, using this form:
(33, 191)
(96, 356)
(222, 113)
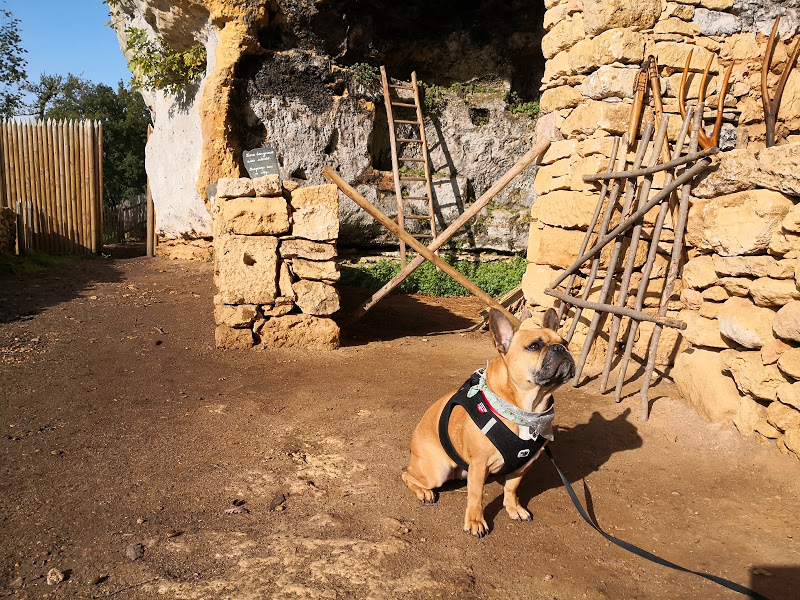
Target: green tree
(44, 94)
(124, 116)
(12, 65)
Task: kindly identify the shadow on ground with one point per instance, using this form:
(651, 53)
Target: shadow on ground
(775, 581)
(581, 450)
(25, 296)
(397, 315)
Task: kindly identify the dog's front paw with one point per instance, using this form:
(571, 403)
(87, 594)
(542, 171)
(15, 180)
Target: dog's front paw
(427, 496)
(518, 513)
(476, 527)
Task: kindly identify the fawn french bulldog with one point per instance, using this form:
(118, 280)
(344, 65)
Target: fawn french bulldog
(496, 424)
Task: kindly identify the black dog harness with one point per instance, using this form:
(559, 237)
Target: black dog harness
(514, 450)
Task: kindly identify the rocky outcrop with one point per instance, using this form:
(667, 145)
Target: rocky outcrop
(278, 73)
(182, 139)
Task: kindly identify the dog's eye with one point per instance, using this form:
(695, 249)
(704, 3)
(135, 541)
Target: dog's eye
(536, 346)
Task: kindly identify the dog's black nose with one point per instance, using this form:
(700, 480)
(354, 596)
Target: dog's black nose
(558, 366)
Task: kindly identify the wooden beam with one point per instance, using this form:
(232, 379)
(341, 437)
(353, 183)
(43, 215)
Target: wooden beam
(151, 214)
(643, 172)
(332, 176)
(398, 188)
(454, 227)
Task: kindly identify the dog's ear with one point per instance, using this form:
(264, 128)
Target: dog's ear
(502, 330)
(550, 320)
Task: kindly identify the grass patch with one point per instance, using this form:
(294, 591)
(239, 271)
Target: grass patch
(434, 97)
(516, 106)
(495, 278)
(33, 262)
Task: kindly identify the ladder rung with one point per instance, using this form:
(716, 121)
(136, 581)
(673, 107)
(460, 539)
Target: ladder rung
(408, 139)
(412, 178)
(419, 217)
(407, 159)
(422, 236)
(415, 197)
(402, 86)
(405, 122)
(404, 104)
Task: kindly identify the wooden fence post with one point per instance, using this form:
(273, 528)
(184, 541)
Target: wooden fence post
(151, 213)
(100, 183)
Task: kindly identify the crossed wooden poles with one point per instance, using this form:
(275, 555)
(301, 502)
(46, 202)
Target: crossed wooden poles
(636, 196)
(427, 253)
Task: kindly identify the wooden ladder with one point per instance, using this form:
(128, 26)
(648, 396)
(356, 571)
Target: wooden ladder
(392, 102)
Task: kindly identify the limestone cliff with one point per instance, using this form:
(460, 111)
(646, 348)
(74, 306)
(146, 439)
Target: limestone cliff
(278, 74)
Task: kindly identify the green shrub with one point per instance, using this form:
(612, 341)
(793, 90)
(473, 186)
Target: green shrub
(495, 278)
(155, 66)
(365, 74)
(434, 96)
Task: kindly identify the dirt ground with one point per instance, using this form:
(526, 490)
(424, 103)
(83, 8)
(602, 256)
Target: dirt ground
(276, 473)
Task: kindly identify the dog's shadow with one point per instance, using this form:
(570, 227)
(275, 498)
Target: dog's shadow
(578, 451)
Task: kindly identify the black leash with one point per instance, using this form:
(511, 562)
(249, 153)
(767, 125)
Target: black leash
(644, 553)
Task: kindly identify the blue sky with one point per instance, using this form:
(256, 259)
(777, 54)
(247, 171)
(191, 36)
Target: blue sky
(69, 36)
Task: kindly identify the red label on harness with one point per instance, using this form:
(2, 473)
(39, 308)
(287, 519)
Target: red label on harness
(482, 408)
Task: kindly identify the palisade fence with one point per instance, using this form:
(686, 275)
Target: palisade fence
(125, 221)
(52, 177)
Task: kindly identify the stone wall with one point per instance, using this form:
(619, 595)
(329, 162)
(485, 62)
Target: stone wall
(742, 295)
(275, 264)
(739, 290)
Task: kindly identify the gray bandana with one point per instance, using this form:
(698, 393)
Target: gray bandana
(532, 424)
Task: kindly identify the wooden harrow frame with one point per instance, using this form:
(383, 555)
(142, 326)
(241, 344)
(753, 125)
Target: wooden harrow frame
(636, 203)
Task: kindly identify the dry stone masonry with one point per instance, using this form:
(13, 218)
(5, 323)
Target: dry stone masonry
(275, 264)
(739, 359)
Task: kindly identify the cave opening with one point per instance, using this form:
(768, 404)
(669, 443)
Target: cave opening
(299, 90)
(448, 42)
(444, 42)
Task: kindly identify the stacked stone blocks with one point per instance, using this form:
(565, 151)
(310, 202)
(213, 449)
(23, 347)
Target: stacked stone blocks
(275, 264)
(739, 292)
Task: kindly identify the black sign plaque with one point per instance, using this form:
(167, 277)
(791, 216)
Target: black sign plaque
(260, 162)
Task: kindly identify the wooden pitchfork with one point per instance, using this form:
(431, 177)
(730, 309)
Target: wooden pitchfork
(772, 105)
(705, 141)
(658, 104)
